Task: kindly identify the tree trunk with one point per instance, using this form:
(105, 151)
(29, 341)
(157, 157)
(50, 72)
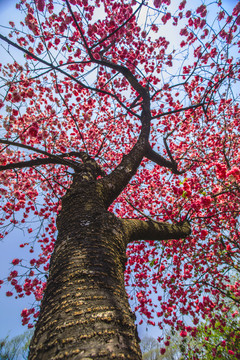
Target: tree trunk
(85, 312)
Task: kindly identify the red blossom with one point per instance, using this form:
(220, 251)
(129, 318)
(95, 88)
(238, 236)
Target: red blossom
(183, 333)
(202, 10)
(236, 10)
(58, 115)
(15, 261)
(40, 4)
(157, 3)
(162, 351)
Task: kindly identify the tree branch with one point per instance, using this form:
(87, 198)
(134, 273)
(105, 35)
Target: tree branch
(160, 160)
(116, 30)
(44, 161)
(141, 90)
(79, 29)
(114, 183)
(53, 67)
(30, 163)
(121, 69)
(177, 110)
(55, 159)
(152, 230)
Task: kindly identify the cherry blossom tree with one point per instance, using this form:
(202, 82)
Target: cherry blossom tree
(120, 156)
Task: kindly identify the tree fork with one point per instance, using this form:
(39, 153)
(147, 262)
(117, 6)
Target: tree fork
(85, 312)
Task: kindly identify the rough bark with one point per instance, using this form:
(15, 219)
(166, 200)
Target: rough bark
(152, 230)
(85, 312)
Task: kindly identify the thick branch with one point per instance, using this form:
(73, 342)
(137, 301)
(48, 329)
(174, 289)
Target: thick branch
(57, 159)
(160, 160)
(126, 73)
(152, 230)
(43, 161)
(114, 183)
(29, 163)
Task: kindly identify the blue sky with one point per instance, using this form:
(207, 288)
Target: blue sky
(6, 7)
(10, 309)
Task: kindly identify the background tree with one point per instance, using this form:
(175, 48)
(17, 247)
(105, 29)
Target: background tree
(219, 335)
(152, 350)
(111, 134)
(15, 348)
(214, 340)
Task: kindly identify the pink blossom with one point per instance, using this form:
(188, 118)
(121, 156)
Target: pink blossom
(40, 4)
(15, 261)
(183, 333)
(157, 3)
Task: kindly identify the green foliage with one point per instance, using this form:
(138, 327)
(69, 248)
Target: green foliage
(15, 348)
(215, 341)
(219, 336)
